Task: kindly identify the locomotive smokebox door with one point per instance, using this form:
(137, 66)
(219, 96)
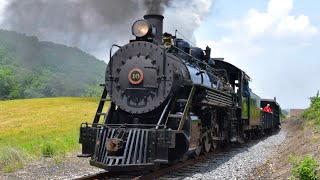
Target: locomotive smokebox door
(140, 81)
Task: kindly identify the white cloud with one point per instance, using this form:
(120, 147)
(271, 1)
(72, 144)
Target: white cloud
(3, 4)
(269, 44)
(274, 23)
(278, 22)
(257, 23)
(300, 25)
(279, 9)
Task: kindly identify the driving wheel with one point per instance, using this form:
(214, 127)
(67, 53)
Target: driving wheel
(206, 143)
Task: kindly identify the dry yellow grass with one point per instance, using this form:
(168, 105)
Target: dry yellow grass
(32, 128)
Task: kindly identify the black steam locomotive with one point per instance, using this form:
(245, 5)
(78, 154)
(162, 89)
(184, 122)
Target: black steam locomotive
(170, 101)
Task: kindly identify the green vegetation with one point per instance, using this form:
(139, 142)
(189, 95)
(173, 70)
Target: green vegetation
(313, 112)
(30, 69)
(44, 127)
(306, 169)
(284, 114)
(47, 127)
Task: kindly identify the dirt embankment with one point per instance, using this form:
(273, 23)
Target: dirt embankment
(300, 142)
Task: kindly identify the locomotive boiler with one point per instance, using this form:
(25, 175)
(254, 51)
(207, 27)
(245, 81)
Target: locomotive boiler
(168, 101)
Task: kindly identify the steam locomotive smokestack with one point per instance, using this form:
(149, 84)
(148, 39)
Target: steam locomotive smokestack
(157, 21)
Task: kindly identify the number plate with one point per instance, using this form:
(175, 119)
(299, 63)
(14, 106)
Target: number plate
(135, 76)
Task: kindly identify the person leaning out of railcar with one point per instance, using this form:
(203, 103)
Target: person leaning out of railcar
(267, 109)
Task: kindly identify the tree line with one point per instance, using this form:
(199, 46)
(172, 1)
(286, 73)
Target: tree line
(30, 68)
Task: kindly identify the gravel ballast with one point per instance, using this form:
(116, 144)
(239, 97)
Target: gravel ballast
(70, 168)
(239, 164)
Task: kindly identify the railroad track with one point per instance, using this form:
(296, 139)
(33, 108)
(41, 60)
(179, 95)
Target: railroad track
(139, 176)
(179, 170)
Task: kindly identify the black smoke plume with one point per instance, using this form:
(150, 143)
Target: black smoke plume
(156, 6)
(91, 25)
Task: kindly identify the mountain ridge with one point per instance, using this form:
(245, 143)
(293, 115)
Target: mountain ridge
(30, 68)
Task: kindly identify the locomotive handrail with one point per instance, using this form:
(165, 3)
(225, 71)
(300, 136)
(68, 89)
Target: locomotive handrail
(197, 61)
(175, 34)
(163, 113)
(110, 58)
(190, 57)
(119, 125)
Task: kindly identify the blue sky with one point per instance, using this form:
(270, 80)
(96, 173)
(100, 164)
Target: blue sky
(275, 42)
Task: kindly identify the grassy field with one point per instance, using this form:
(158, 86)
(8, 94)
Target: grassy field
(33, 128)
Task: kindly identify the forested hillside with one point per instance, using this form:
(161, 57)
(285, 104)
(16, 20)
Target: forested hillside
(29, 69)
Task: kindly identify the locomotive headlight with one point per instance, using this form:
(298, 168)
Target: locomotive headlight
(141, 28)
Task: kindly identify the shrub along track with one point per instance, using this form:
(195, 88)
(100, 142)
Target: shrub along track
(301, 140)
